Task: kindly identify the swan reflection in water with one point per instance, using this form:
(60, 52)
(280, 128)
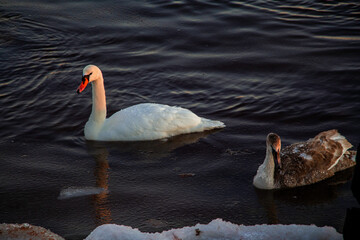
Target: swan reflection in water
(146, 150)
(101, 173)
(319, 193)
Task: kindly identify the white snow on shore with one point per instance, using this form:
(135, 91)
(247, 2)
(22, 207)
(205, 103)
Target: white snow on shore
(215, 230)
(219, 229)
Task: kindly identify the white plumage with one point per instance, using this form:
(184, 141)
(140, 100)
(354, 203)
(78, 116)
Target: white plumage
(146, 121)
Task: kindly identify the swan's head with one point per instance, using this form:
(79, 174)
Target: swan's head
(273, 143)
(90, 73)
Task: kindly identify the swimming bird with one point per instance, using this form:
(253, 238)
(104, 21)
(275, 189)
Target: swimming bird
(303, 163)
(141, 122)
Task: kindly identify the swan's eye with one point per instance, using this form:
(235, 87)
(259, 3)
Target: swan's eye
(86, 77)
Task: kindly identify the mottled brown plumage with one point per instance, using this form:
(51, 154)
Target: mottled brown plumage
(307, 162)
(311, 161)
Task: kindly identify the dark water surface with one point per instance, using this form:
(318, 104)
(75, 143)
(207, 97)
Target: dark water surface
(290, 67)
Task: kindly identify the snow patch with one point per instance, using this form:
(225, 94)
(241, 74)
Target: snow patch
(218, 229)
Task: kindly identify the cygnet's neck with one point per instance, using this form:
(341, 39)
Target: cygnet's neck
(98, 113)
(264, 178)
(269, 164)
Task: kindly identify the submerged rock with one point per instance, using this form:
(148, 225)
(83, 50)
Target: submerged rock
(26, 231)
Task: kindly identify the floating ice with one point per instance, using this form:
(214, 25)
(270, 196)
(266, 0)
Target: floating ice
(72, 192)
(216, 230)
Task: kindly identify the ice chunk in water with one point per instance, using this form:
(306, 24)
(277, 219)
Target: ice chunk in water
(72, 192)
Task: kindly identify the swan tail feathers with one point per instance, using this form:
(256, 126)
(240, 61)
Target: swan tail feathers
(211, 124)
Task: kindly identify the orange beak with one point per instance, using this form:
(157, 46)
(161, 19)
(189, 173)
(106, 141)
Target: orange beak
(84, 83)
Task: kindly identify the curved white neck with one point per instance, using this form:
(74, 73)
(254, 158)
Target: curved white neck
(98, 113)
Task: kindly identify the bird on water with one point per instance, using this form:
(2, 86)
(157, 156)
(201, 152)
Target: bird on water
(303, 163)
(141, 122)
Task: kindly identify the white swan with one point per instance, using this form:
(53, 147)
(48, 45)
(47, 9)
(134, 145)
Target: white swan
(142, 122)
(303, 163)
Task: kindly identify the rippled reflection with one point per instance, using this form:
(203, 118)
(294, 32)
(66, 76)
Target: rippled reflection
(101, 173)
(148, 151)
(343, 38)
(319, 193)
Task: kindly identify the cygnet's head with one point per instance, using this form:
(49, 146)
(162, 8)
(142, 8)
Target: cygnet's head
(273, 142)
(90, 73)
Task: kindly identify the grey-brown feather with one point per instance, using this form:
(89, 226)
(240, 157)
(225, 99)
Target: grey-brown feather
(308, 162)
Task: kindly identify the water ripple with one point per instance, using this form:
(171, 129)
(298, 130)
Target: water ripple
(259, 60)
(290, 67)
